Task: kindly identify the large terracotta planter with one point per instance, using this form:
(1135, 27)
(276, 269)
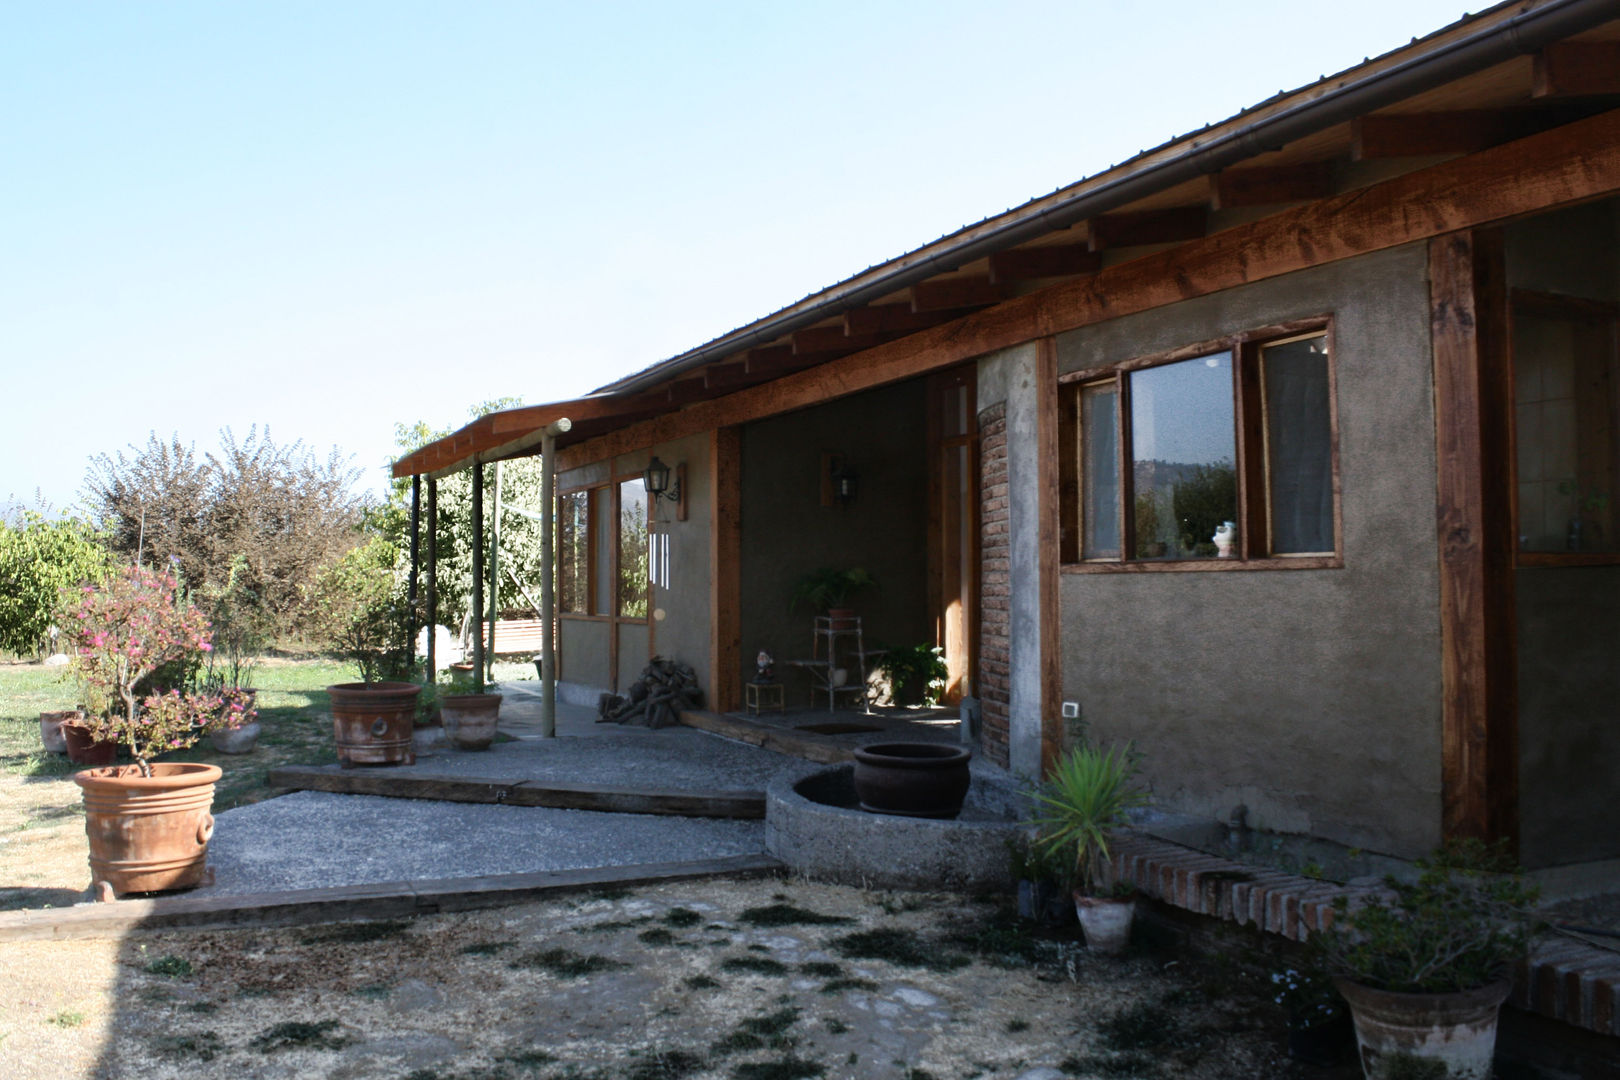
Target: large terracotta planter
(148, 833)
(912, 779)
(1106, 921)
(84, 749)
(470, 719)
(372, 722)
(1458, 1030)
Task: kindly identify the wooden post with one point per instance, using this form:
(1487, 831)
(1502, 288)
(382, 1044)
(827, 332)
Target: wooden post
(433, 579)
(1479, 663)
(725, 570)
(494, 575)
(1049, 513)
(478, 572)
(416, 564)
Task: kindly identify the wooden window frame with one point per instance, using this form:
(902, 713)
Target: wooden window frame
(1251, 439)
(1558, 305)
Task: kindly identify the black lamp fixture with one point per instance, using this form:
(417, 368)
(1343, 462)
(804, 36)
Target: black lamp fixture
(658, 483)
(844, 481)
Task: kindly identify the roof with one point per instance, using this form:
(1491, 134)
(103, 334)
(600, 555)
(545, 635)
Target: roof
(1488, 78)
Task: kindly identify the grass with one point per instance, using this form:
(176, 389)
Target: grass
(300, 1034)
(566, 964)
(779, 914)
(681, 918)
(903, 948)
(173, 967)
(753, 965)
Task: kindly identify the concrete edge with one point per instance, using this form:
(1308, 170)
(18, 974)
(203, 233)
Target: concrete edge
(381, 900)
(767, 737)
(749, 805)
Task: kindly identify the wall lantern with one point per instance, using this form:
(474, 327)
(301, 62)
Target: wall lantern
(657, 479)
(844, 481)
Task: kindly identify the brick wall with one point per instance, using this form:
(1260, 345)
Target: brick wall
(995, 602)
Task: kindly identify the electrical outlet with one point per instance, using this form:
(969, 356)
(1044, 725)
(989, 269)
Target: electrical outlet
(1071, 710)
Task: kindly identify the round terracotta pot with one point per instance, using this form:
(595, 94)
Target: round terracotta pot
(842, 618)
(372, 722)
(50, 729)
(470, 719)
(83, 749)
(148, 833)
(912, 779)
(1106, 921)
(1457, 1030)
(237, 740)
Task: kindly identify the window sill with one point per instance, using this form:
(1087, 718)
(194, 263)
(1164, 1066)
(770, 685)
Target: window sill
(1183, 566)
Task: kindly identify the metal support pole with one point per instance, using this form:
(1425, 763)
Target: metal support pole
(494, 573)
(433, 580)
(478, 573)
(416, 565)
(548, 572)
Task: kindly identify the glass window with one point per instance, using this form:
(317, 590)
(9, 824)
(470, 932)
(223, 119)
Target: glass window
(606, 535)
(1299, 445)
(1099, 436)
(633, 550)
(573, 553)
(1183, 454)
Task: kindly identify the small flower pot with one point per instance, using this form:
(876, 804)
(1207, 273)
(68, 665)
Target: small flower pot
(236, 740)
(1106, 921)
(84, 749)
(50, 729)
(470, 719)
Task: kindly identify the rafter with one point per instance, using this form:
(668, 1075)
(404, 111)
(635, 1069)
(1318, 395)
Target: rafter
(894, 319)
(1271, 186)
(942, 294)
(1053, 260)
(1171, 226)
(1572, 68)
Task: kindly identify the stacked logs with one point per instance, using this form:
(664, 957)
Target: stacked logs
(656, 699)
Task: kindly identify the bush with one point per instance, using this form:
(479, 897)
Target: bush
(38, 559)
(916, 674)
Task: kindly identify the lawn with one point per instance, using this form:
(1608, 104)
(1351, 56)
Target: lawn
(42, 844)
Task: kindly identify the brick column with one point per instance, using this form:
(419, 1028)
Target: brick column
(995, 604)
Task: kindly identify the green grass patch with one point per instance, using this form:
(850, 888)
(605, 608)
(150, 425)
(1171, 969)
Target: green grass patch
(300, 1035)
(656, 936)
(791, 1067)
(667, 1065)
(821, 969)
(774, 915)
(171, 967)
(374, 992)
(904, 948)
(681, 918)
(566, 964)
(753, 965)
(67, 1018)
(701, 982)
(838, 986)
(612, 926)
(198, 1046)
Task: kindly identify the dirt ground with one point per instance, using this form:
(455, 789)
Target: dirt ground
(744, 980)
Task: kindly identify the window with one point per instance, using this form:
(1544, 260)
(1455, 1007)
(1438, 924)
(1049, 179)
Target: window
(603, 551)
(1217, 455)
(574, 553)
(634, 578)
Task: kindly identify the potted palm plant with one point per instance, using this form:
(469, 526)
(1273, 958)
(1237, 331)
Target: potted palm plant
(148, 823)
(827, 589)
(1425, 965)
(1088, 794)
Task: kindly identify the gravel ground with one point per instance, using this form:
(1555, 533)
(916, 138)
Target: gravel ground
(715, 980)
(316, 840)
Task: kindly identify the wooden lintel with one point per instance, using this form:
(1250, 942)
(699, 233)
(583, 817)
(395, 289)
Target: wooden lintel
(894, 319)
(1479, 719)
(1571, 68)
(1054, 260)
(830, 339)
(1271, 186)
(943, 294)
(1568, 164)
(1172, 226)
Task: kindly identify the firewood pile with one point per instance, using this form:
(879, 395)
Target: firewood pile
(656, 699)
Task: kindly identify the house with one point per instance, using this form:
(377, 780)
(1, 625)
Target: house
(1288, 449)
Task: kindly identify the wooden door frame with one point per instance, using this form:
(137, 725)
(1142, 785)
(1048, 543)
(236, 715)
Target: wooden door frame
(940, 511)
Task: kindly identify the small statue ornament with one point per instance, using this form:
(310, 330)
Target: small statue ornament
(1226, 539)
(765, 668)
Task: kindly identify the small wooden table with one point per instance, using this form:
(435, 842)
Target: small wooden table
(759, 695)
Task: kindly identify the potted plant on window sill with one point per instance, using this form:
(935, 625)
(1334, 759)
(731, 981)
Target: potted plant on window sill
(1426, 965)
(827, 589)
(1088, 795)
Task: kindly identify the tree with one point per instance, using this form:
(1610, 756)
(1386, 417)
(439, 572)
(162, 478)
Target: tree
(39, 558)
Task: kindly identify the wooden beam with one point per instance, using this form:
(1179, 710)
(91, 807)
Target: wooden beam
(1271, 186)
(1053, 260)
(682, 391)
(1418, 134)
(1049, 517)
(941, 294)
(894, 319)
(819, 340)
(1479, 722)
(1568, 164)
(1173, 226)
(767, 355)
(725, 376)
(1572, 68)
(725, 570)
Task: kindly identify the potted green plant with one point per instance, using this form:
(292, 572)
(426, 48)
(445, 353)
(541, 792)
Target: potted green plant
(148, 823)
(1044, 879)
(916, 674)
(1088, 794)
(470, 712)
(1319, 1028)
(827, 589)
(1426, 964)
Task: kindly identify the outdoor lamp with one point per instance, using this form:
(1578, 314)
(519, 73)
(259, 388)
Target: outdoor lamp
(656, 479)
(844, 478)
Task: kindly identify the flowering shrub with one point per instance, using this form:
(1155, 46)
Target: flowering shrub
(1308, 997)
(125, 630)
(235, 709)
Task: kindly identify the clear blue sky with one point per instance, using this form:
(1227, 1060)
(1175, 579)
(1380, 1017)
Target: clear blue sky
(330, 217)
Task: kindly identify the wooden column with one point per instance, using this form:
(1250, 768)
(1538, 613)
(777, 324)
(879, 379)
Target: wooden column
(1049, 510)
(478, 572)
(433, 579)
(725, 570)
(416, 566)
(494, 574)
(1479, 727)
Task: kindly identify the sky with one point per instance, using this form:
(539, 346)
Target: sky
(329, 218)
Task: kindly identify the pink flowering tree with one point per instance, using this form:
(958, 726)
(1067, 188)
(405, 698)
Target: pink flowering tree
(125, 630)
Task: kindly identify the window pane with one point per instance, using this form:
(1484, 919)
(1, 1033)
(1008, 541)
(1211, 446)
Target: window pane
(607, 535)
(1099, 471)
(1183, 446)
(1299, 440)
(633, 568)
(1567, 423)
(573, 553)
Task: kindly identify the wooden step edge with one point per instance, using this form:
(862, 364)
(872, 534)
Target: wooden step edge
(767, 737)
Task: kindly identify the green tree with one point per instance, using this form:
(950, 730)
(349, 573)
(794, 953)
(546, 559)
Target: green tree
(39, 558)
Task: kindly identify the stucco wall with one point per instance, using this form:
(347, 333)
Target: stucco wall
(1310, 696)
(786, 532)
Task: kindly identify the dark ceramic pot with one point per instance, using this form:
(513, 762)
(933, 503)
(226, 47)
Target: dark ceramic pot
(83, 749)
(912, 779)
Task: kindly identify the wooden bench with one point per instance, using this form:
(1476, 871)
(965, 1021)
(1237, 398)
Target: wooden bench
(517, 637)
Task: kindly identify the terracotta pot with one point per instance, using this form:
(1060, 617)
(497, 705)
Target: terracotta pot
(148, 833)
(470, 719)
(83, 749)
(912, 779)
(50, 729)
(237, 740)
(1106, 921)
(842, 618)
(1458, 1030)
(372, 722)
